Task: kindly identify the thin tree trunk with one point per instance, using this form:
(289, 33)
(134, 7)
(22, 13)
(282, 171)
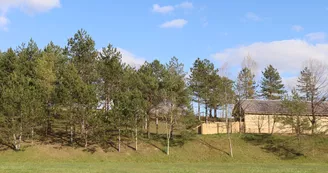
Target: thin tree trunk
(171, 131)
(239, 125)
(71, 131)
(230, 145)
(86, 138)
(206, 113)
(157, 122)
(119, 140)
(269, 123)
(32, 135)
(15, 142)
(136, 131)
(167, 138)
(198, 108)
(211, 116)
(227, 123)
(145, 124)
(215, 112)
(274, 123)
(148, 127)
(20, 135)
(258, 124)
(49, 128)
(136, 138)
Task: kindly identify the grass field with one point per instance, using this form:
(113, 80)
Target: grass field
(252, 154)
(97, 167)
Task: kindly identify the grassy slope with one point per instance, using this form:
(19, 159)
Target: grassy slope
(202, 154)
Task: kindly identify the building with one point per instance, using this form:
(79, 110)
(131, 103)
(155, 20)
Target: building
(268, 116)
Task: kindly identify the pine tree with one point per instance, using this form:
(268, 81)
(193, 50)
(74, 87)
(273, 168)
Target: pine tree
(81, 49)
(195, 83)
(151, 75)
(271, 84)
(246, 85)
(200, 82)
(175, 96)
(111, 72)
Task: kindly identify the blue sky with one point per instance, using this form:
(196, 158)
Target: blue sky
(281, 33)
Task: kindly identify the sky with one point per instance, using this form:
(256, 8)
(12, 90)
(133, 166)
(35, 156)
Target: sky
(281, 33)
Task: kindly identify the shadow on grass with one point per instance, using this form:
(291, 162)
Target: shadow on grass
(284, 147)
(212, 147)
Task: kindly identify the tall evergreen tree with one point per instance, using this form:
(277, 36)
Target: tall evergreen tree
(246, 85)
(271, 84)
(200, 82)
(81, 49)
(151, 75)
(175, 96)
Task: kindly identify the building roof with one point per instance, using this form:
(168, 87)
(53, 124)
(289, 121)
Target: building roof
(275, 107)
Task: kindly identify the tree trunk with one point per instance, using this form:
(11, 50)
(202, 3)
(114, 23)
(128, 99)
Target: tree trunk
(198, 108)
(228, 130)
(258, 124)
(148, 127)
(136, 138)
(49, 128)
(274, 123)
(230, 145)
(298, 131)
(206, 112)
(20, 136)
(215, 113)
(15, 142)
(171, 132)
(86, 138)
(71, 137)
(119, 140)
(32, 135)
(136, 131)
(211, 116)
(313, 123)
(157, 122)
(167, 139)
(269, 123)
(82, 127)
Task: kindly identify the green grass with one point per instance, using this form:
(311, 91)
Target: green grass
(97, 167)
(252, 154)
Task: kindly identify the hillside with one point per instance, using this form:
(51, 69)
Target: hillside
(253, 153)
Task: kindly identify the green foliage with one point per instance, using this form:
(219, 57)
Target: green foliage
(295, 108)
(80, 97)
(306, 85)
(208, 87)
(271, 84)
(245, 86)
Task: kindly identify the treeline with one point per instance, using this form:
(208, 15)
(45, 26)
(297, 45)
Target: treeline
(93, 97)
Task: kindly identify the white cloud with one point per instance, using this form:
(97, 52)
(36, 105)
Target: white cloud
(130, 58)
(285, 55)
(162, 9)
(316, 36)
(27, 6)
(185, 5)
(297, 28)
(252, 16)
(3, 22)
(177, 23)
(170, 8)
